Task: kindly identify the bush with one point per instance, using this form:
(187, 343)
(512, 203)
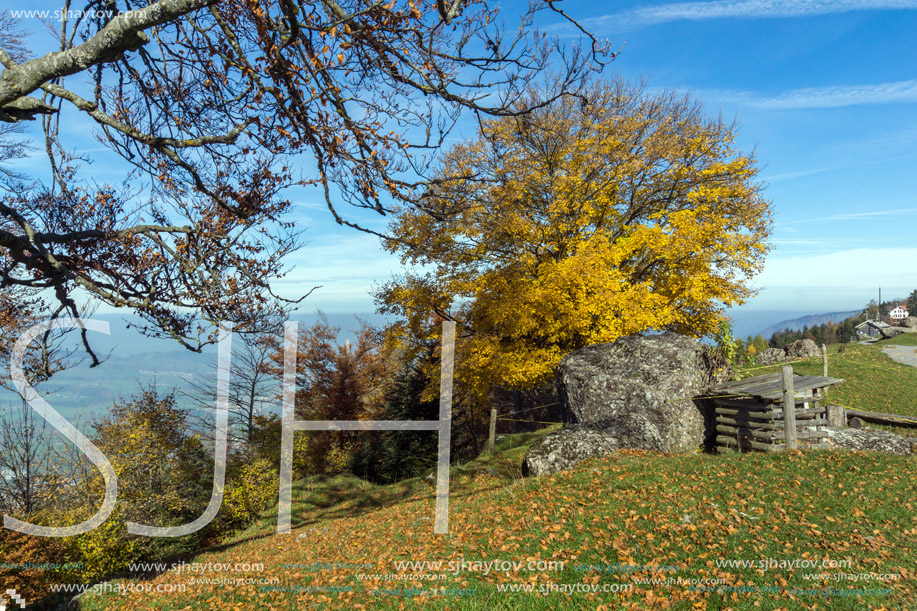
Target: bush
(17, 549)
(249, 492)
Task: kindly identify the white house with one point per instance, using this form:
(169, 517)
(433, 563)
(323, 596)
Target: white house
(899, 313)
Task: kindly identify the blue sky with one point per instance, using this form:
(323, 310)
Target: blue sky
(824, 91)
(826, 94)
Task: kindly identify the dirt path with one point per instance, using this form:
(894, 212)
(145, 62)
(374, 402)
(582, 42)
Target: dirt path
(902, 354)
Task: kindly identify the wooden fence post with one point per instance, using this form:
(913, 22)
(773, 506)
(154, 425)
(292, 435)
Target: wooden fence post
(789, 408)
(837, 416)
(824, 366)
(492, 437)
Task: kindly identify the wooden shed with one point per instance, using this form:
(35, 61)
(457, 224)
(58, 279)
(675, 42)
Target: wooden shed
(751, 414)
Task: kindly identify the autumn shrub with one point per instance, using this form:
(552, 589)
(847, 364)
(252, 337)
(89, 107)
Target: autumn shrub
(108, 549)
(249, 491)
(18, 551)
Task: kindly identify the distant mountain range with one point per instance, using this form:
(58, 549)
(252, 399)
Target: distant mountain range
(796, 324)
(132, 361)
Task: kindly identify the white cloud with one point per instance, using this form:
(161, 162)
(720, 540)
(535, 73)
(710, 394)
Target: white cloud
(858, 216)
(833, 96)
(860, 267)
(748, 9)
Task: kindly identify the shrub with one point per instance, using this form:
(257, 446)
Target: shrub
(249, 492)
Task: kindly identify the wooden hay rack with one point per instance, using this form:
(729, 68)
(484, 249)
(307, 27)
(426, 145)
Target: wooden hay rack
(772, 412)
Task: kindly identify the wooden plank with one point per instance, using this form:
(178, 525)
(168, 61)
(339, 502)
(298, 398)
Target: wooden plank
(755, 389)
(806, 388)
(789, 408)
(809, 383)
(768, 402)
(880, 418)
(734, 384)
(753, 385)
(767, 416)
(809, 412)
(744, 433)
(756, 445)
(748, 404)
(772, 415)
(764, 426)
(768, 436)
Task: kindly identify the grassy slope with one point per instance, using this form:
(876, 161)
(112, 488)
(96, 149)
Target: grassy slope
(632, 508)
(909, 339)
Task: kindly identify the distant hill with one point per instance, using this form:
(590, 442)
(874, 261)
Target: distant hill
(82, 393)
(796, 324)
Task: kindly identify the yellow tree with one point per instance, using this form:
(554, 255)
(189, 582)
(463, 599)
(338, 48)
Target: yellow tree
(594, 217)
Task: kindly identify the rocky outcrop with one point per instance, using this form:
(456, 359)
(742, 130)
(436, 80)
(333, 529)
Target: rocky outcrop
(911, 322)
(800, 349)
(563, 449)
(652, 377)
(634, 393)
(866, 439)
(803, 349)
(771, 356)
(890, 332)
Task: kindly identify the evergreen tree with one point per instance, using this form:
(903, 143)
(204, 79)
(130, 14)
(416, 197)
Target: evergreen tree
(389, 456)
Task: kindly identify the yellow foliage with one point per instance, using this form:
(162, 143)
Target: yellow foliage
(583, 222)
(250, 491)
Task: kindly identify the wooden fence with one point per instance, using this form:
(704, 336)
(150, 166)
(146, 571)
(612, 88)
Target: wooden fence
(772, 413)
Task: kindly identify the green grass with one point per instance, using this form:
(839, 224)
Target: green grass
(908, 339)
(689, 511)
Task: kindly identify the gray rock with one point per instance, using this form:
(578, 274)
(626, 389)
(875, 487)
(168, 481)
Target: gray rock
(650, 377)
(890, 332)
(803, 349)
(563, 449)
(911, 322)
(770, 356)
(869, 439)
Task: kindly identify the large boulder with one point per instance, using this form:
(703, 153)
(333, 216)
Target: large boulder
(803, 349)
(770, 356)
(890, 332)
(911, 322)
(563, 449)
(869, 439)
(650, 377)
